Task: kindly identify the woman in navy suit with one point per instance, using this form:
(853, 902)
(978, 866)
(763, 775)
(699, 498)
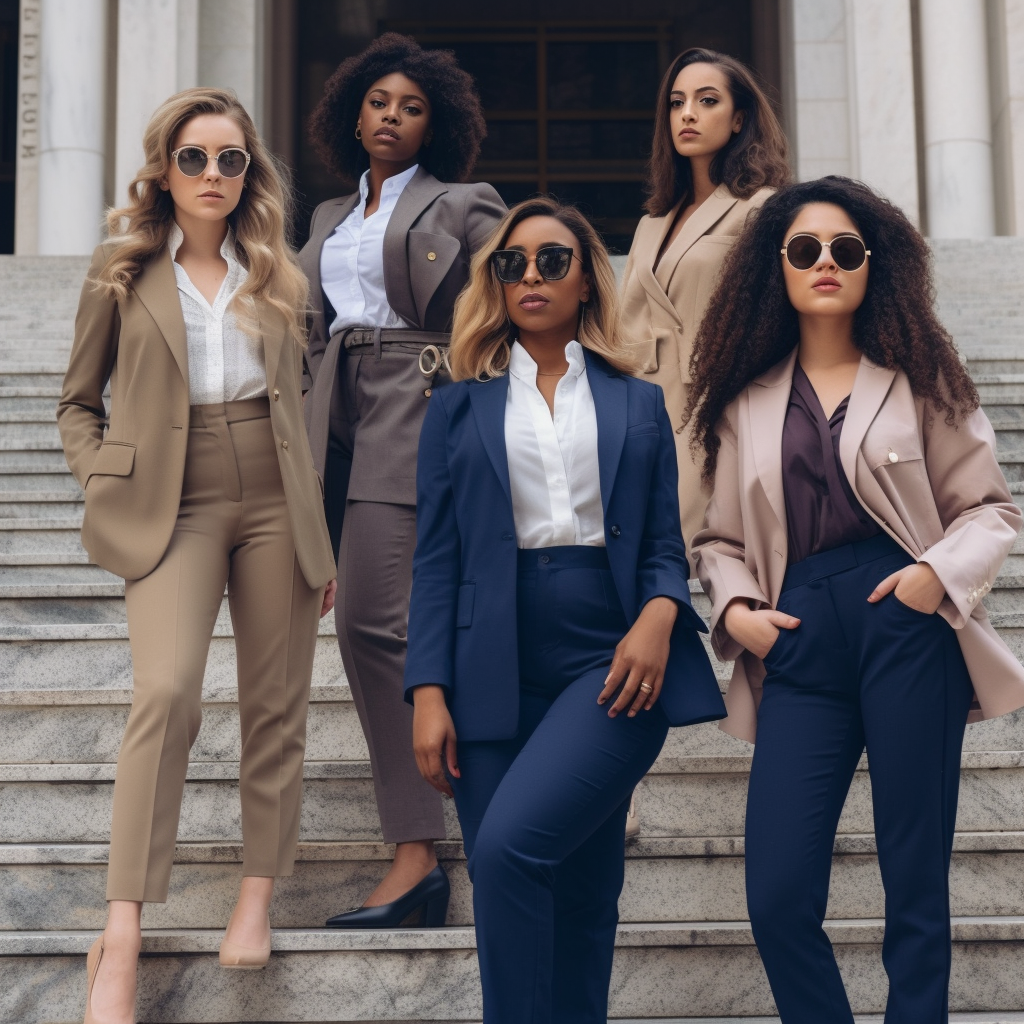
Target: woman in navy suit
(550, 628)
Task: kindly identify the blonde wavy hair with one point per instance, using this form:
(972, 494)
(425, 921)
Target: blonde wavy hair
(140, 229)
(482, 333)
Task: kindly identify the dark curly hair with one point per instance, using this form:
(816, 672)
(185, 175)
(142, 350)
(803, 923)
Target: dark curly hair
(753, 158)
(750, 324)
(456, 120)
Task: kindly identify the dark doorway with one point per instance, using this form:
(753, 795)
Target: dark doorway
(569, 102)
(8, 119)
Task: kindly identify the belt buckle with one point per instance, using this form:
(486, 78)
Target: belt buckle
(432, 359)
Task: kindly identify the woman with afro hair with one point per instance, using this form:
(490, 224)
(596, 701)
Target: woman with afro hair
(385, 264)
(858, 517)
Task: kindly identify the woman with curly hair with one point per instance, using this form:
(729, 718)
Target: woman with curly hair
(858, 517)
(200, 478)
(718, 153)
(385, 264)
(551, 637)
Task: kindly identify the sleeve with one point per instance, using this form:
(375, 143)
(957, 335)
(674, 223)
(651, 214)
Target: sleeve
(979, 517)
(436, 564)
(314, 352)
(484, 208)
(720, 549)
(81, 413)
(662, 569)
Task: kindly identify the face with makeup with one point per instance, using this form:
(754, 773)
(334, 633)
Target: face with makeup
(702, 116)
(209, 196)
(825, 288)
(394, 120)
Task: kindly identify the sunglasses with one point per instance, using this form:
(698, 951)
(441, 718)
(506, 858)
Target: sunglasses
(192, 161)
(804, 251)
(553, 262)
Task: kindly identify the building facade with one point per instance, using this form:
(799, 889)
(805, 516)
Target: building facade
(923, 99)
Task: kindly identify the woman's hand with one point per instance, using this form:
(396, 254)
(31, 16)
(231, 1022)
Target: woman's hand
(917, 586)
(758, 630)
(433, 737)
(329, 594)
(640, 659)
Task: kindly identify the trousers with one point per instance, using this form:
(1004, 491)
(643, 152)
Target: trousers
(543, 814)
(854, 676)
(232, 529)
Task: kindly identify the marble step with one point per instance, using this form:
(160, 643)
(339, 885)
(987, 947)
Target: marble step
(697, 797)
(667, 879)
(704, 969)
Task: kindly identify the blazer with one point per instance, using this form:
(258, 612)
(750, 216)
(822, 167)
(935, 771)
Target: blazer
(131, 464)
(943, 499)
(664, 309)
(462, 617)
(434, 230)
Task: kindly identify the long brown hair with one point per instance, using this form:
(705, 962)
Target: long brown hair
(141, 228)
(482, 334)
(750, 324)
(754, 157)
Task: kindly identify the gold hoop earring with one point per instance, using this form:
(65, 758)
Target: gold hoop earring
(359, 132)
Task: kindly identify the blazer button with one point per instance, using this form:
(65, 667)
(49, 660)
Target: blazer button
(893, 457)
(615, 531)
(431, 256)
(277, 394)
(427, 392)
(506, 536)
(284, 444)
(544, 559)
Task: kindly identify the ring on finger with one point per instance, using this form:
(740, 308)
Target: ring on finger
(646, 687)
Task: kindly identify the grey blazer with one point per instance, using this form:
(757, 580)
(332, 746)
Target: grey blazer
(434, 230)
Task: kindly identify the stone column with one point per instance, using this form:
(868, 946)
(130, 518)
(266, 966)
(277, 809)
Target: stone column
(26, 173)
(1006, 46)
(71, 151)
(957, 121)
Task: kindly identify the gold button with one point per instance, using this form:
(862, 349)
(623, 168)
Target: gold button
(284, 444)
(431, 256)
(893, 457)
(277, 394)
(428, 392)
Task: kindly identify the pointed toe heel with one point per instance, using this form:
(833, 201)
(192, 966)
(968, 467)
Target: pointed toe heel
(92, 966)
(425, 905)
(234, 957)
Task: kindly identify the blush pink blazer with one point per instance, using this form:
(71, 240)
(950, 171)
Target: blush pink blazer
(942, 498)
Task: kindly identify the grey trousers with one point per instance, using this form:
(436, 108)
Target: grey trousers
(372, 614)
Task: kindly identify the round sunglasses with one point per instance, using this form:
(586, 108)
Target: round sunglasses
(192, 161)
(553, 262)
(804, 251)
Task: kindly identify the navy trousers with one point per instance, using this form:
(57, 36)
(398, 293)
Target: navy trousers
(543, 814)
(852, 676)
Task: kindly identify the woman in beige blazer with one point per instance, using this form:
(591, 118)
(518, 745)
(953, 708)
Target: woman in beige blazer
(199, 476)
(858, 517)
(718, 153)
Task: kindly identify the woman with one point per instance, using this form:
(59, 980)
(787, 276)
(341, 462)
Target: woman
(549, 597)
(718, 153)
(857, 519)
(203, 478)
(385, 265)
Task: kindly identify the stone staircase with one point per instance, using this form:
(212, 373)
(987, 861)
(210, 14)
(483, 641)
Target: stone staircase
(684, 945)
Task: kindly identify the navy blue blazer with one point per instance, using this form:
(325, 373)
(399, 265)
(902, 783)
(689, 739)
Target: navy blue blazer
(462, 617)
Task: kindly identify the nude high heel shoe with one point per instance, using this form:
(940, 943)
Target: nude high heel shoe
(92, 965)
(244, 958)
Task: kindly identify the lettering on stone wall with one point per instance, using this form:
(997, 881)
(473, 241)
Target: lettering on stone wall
(28, 81)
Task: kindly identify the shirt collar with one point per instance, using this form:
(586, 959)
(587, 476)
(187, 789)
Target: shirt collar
(522, 365)
(227, 248)
(392, 187)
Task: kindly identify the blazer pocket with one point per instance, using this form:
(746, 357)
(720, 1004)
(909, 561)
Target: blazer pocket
(464, 613)
(115, 458)
(644, 427)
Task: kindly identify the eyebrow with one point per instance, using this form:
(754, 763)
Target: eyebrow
(703, 88)
(543, 245)
(407, 96)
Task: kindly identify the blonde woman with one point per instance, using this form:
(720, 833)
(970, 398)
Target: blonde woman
(201, 477)
(550, 633)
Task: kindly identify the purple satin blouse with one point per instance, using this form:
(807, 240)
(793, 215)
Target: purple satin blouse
(821, 509)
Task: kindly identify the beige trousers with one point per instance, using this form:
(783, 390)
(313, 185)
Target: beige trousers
(233, 528)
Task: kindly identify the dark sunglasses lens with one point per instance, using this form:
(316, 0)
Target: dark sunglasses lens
(509, 265)
(848, 252)
(191, 161)
(231, 162)
(553, 263)
(803, 251)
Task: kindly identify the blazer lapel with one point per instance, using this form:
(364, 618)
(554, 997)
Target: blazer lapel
(650, 245)
(488, 399)
(157, 289)
(608, 388)
(702, 220)
(870, 387)
(421, 191)
(272, 332)
(326, 224)
(769, 399)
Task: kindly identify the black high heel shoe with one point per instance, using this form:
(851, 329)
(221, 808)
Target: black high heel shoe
(425, 905)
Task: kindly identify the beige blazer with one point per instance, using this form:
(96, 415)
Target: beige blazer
(943, 500)
(132, 463)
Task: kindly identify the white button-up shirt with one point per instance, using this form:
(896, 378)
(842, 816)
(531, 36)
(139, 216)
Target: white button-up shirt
(224, 363)
(552, 460)
(352, 260)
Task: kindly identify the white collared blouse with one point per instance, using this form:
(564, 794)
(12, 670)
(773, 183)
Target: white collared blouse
(552, 460)
(352, 260)
(225, 364)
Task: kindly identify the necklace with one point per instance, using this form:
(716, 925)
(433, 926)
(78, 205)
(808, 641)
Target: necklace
(560, 373)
